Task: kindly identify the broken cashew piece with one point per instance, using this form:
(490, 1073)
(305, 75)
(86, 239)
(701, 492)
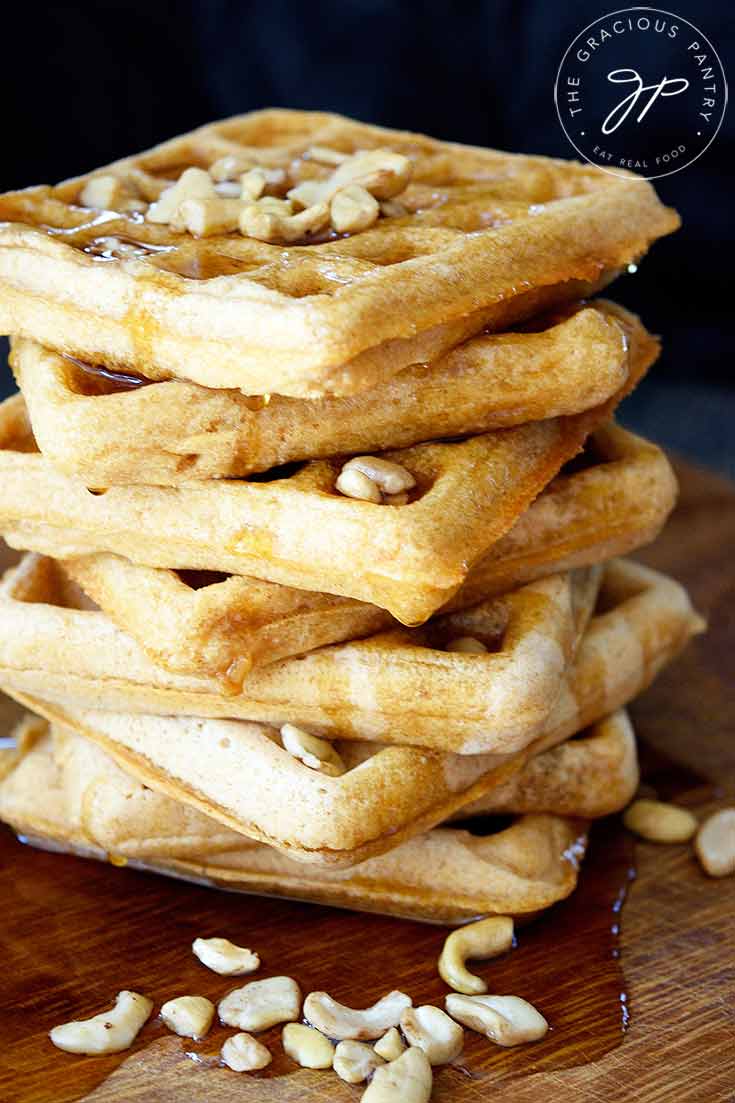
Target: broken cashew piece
(715, 843)
(390, 1046)
(353, 209)
(243, 1053)
(484, 939)
(432, 1030)
(506, 1020)
(354, 1062)
(192, 184)
(224, 957)
(659, 822)
(189, 1016)
(261, 1003)
(408, 1079)
(109, 1032)
(317, 754)
(307, 1046)
(337, 1021)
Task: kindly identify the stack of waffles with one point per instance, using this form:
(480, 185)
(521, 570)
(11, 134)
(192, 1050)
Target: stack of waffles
(322, 510)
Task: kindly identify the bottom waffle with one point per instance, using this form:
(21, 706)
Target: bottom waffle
(252, 785)
(448, 875)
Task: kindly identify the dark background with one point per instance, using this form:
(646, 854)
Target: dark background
(82, 85)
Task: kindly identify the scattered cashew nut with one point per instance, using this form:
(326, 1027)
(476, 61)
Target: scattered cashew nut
(307, 1047)
(484, 939)
(337, 1021)
(715, 843)
(224, 957)
(110, 1031)
(354, 1061)
(318, 754)
(243, 1053)
(390, 1046)
(355, 484)
(189, 1016)
(659, 822)
(408, 1079)
(261, 1003)
(434, 1032)
(506, 1020)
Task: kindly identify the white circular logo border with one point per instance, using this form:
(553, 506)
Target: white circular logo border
(622, 11)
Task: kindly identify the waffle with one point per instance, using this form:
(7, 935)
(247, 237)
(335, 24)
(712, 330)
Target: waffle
(388, 794)
(401, 686)
(108, 432)
(485, 238)
(590, 776)
(447, 875)
(296, 528)
(616, 499)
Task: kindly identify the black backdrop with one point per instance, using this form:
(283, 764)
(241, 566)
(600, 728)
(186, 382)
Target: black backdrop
(83, 84)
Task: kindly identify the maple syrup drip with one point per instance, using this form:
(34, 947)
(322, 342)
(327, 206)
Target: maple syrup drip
(100, 380)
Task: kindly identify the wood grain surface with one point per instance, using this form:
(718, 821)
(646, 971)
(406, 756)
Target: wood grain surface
(75, 932)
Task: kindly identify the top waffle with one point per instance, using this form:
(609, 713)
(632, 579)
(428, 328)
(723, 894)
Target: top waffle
(477, 239)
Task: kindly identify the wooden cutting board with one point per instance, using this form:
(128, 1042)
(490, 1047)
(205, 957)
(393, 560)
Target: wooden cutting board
(75, 932)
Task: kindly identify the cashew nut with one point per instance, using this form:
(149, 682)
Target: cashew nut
(391, 477)
(390, 1046)
(317, 754)
(261, 1003)
(353, 209)
(190, 1016)
(507, 1020)
(381, 172)
(110, 1031)
(307, 1046)
(434, 1032)
(484, 939)
(659, 822)
(408, 1079)
(224, 957)
(337, 1021)
(355, 484)
(355, 1061)
(715, 843)
(243, 1053)
(192, 184)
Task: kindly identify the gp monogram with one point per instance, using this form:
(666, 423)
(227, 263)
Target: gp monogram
(641, 89)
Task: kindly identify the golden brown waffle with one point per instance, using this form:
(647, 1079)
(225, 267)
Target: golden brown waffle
(594, 774)
(402, 686)
(616, 499)
(447, 875)
(590, 776)
(388, 794)
(487, 238)
(297, 529)
(110, 433)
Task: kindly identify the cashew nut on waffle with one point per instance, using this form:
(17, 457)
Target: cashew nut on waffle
(201, 623)
(445, 875)
(495, 702)
(396, 792)
(408, 558)
(488, 238)
(108, 429)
